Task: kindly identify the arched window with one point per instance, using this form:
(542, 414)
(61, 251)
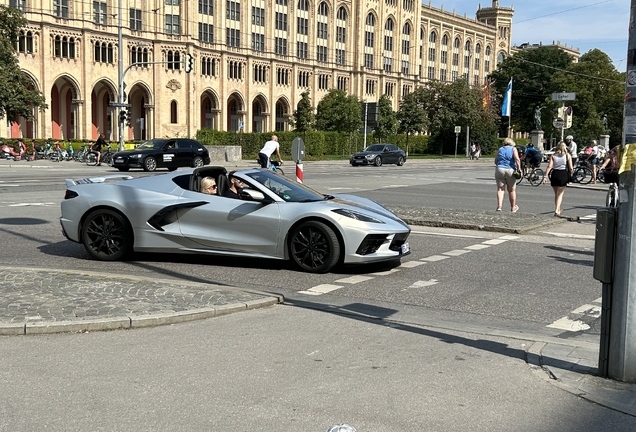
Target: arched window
(445, 40)
(501, 57)
(173, 112)
(456, 43)
(323, 9)
(488, 51)
(467, 46)
(177, 60)
(303, 5)
(478, 48)
(170, 60)
(370, 20)
(57, 50)
(145, 57)
(97, 55)
(71, 48)
(342, 13)
(21, 42)
(110, 53)
(65, 47)
(432, 38)
(104, 52)
(407, 29)
(389, 25)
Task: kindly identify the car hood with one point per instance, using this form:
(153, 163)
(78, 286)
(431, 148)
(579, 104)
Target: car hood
(364, 153)
(137, 151)
(354, 202)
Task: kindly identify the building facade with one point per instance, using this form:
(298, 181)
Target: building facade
(252, 59)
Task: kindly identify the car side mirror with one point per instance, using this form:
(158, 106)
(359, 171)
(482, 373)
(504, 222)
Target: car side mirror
(386, 150)
(254, 195)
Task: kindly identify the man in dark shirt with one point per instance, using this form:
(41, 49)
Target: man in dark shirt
(236, 185)
(97, 147)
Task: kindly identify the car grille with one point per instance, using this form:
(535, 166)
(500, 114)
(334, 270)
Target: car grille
(398, 241)
(359, 157)
(371, 243)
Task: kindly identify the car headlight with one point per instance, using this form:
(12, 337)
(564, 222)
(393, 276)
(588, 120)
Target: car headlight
(357, 215)
(135, 156)
(371, 156)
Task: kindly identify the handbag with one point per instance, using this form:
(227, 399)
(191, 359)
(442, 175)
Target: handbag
(516, 174)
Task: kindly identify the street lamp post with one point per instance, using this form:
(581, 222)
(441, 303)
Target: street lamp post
(468, 55)
(120, 75)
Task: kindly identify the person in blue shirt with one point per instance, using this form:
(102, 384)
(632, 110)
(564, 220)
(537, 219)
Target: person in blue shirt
(533, 156)
(506, 162)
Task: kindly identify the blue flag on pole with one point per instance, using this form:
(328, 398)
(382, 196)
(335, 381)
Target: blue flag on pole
(505, 108)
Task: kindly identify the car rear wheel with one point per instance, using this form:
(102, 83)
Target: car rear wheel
(198, 162)
(107, 235)
(400, 161)
(314, 247)
(150, 164)
(377, 161)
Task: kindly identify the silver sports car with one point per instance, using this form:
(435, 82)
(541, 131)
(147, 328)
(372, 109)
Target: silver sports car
(275, 217)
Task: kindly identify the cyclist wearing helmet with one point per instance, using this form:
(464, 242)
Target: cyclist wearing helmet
(533, 156)
(571, 146)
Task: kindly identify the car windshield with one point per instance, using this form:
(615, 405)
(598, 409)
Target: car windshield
(151, 144)
(288, 190)
(375, 148)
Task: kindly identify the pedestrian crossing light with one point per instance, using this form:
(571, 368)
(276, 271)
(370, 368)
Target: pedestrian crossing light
(189, 63)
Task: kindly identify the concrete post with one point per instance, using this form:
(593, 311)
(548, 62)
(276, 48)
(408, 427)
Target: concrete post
(536, 138)
(604, 141)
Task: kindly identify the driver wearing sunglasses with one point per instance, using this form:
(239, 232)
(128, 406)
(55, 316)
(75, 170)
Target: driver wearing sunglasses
(236, 184)
(208, 186)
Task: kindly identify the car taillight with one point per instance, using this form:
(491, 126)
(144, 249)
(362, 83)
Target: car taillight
(70, 194)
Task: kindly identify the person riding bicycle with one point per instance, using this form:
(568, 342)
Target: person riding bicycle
(267, 150)
(610, 172)
(533, 156)
(97, 147)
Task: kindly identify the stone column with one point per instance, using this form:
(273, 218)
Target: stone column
(604, 141)
(536, 138)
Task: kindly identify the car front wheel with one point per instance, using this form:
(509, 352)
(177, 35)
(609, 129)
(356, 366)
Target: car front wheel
(107, 235)
(377, 161)
(150, 164)
(198, 162)
(400, 161)
(314, 247)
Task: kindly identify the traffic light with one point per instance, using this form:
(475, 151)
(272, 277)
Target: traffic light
(188, 63)
(122, 116)
(569, 113)
(128, 117)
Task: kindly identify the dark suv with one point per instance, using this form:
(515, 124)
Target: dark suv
(170, 153)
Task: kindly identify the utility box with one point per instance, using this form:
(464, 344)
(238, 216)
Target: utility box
(604, 244)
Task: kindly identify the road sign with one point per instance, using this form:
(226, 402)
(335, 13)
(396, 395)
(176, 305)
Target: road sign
(558, 123)
(298, 149)
(119, 105)
(458, 129)
(563, 96)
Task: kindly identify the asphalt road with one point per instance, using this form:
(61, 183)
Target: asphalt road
(524, 283)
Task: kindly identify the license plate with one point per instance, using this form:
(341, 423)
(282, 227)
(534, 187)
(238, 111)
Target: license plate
(119, 159)
(404, 249)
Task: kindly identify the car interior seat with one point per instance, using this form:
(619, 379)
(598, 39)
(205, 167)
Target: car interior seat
(200, 173)
(222, 184)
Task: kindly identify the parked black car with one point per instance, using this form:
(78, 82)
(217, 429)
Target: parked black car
(170, 153)
(378, 154)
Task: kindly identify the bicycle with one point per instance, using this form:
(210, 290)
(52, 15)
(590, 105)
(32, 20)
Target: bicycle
(107, 157)
(582, 173)
(612, 196)
(534, 174)
(274, 166)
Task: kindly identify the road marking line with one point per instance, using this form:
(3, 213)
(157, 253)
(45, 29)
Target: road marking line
(569, 325)
(320, 289)
(598, 300)
(588, 217)
(477, 247)
(411, 264)
(508, 237)
(422, 284)
(589, 310)
(456, 252)
(494, 242)
(434, 258)
(385, 273)
(354, 279)
(445, 234)
(573, 236)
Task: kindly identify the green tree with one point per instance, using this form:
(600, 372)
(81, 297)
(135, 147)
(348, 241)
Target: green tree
(411, 116)
(531, 72)
(599, 89)
(17, 96)
(387, 119)
(339, 112)
(303, 119)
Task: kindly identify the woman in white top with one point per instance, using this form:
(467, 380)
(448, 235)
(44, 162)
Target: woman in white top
(559, 170)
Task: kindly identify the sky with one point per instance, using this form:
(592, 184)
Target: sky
(583, 24)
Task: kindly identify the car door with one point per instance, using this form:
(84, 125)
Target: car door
(185, 153)
(387, 155)
(231, 225)
(169, 154)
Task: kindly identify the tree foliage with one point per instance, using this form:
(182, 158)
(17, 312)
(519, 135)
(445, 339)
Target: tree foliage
(339, 112)
(411, 116)
(387, 119)
(17, 96)
(303, 119)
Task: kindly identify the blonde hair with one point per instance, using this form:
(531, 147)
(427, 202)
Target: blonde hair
(509, 142)
(206, 182)
(561, 149)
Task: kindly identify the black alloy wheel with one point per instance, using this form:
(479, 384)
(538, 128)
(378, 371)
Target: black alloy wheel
(314, 247)
(198, 162)
(107, 235)
(150, 164)
(400, 161)
(377, 161)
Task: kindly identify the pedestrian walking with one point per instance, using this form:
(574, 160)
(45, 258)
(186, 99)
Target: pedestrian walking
(506, 162)
(559, 171)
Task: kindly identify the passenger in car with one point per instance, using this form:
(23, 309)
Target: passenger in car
(208, 186)
(236, 184)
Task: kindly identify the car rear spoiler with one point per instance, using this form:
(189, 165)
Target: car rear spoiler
(102, 179)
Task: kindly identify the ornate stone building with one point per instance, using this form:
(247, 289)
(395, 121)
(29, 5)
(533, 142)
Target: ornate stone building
(252, 59)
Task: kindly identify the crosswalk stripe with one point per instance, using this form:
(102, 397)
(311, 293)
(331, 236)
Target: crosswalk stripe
(494, 242)
(320, 289)
(569, 325)
(411, 264)
(435, 258)
(456, 252)
(354, 279)
(477, 247)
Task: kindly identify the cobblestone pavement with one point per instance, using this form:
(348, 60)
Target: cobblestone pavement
(49, 301)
